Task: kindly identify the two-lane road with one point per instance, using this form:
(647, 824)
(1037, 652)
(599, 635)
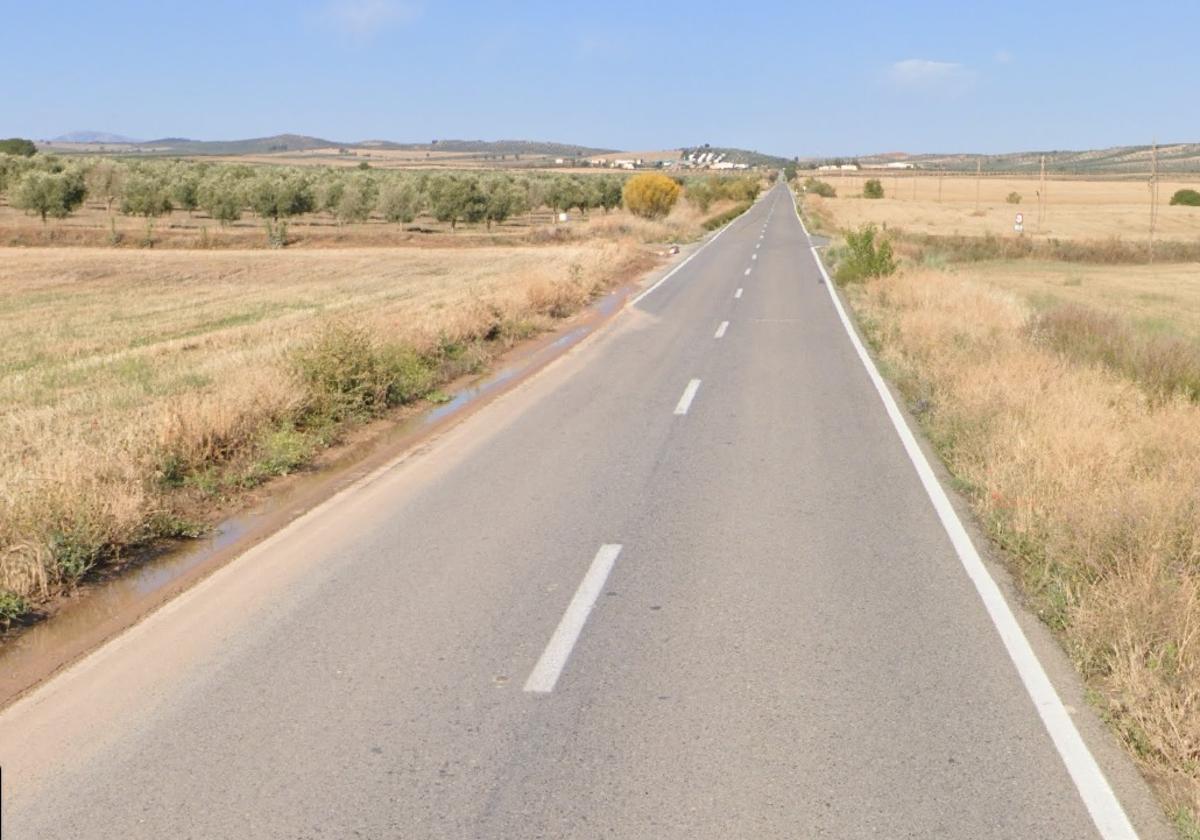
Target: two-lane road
(685, 583)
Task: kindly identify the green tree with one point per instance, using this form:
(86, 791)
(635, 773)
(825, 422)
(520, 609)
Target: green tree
(220, 195)
(610, 192)
(279, 195)
(399, 200)
(185, 190)
(18, 146)
(49, 193)
(455, 198)
(358, 199)
(146, 195)
(105, 180)
(873, 188)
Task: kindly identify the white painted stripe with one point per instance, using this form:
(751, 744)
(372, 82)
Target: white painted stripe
(754, 256)
(554, 658)
(689, 394)
(674, 270)
(720, 333)
(1097, 795)
(738, 293)
(747, 272)
(757, 245)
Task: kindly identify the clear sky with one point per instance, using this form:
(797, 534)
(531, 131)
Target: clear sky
(791, 78)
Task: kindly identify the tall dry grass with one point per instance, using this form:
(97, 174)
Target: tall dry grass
(134, 386)
(1087, 479)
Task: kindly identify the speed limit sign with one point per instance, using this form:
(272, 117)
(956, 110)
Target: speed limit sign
(1019, 224)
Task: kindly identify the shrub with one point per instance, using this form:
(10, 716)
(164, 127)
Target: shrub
(864, 257)
(821, 188)
(1187, 198)
(349, 374)
(1013, 198)
(729, 215)
(12, 606)
(873, 188)
(650, 195)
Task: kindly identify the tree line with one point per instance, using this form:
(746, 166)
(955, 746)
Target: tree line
(55, 187)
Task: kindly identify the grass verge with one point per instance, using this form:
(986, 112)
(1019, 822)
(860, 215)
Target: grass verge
(1083, 463)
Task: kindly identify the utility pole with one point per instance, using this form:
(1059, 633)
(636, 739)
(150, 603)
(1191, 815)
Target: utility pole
(978, 175)
(1153, 195)
(940, 176)
(1042, 195)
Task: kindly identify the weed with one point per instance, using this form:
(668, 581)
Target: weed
(864, 257)
(12, 607)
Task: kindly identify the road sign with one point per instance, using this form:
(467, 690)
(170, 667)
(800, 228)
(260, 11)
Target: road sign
(1019, 224)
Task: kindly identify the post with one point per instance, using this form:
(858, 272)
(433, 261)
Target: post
(1153, 195)
(978, 175)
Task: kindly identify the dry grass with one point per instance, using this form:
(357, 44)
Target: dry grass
(92, 226)
(1090, 483)
(1075, 209)
(128, 377)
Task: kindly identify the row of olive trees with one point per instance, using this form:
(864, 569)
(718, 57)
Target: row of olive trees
(54, 187)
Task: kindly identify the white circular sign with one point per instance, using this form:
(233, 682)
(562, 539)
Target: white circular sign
(1020, 218)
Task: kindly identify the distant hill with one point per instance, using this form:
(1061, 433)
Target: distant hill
(489, 147)
(302, 143)
(92, 137)
(746, 156)
(1131, 160)
(252, 146)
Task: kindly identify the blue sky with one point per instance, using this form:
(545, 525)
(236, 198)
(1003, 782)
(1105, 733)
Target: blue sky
(791, 78)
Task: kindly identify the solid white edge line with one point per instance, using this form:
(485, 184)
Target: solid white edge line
(738, 293)
(720, 333)
(1098, 797)
(558, 650)
(689, 394)
(679, 267)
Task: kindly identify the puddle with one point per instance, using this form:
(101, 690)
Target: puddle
(103, 609)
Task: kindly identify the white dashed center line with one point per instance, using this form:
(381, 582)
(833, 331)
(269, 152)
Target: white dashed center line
(747, 272)
(554, 658)
(720, 333)
(689, 394)
(738, 293)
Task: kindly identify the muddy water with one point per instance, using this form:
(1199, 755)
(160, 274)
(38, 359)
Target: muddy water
(103, 610)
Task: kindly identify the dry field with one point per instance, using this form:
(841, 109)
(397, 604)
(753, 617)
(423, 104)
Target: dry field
(93, 226)
(134, 382)
(1074, 209)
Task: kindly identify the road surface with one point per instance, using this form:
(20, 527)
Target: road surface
(685, 583)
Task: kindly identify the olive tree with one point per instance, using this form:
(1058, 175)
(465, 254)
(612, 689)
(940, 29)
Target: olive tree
(399, 200)
(54, 194)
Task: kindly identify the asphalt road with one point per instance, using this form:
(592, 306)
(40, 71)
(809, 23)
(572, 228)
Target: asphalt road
(685, 583)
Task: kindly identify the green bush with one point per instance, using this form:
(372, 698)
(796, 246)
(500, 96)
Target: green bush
(1013, 198)
(821, 188)
(1187, 198)
(873, 188)
(348, 374)
(12, 606)
(864, 256)
(18, 146)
